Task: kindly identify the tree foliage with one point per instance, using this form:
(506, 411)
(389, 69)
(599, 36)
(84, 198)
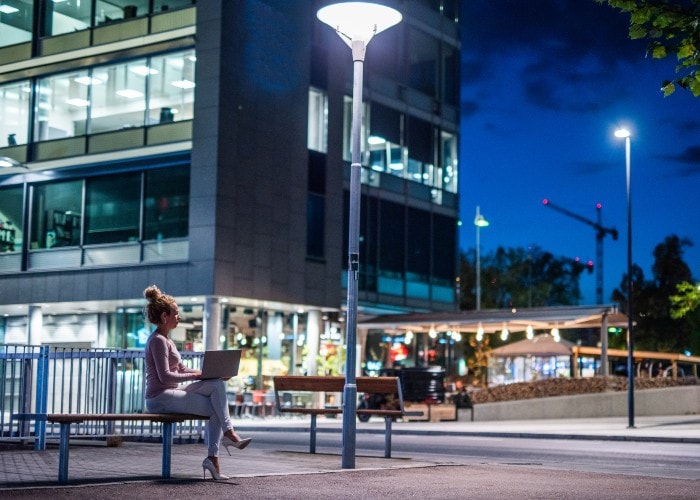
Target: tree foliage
(671, 27)
(520, 277)
(686, 300)
(656, 329)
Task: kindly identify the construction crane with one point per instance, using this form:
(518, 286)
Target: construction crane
(600, 233)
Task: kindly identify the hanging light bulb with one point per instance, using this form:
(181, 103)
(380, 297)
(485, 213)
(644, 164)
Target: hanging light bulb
(480, 333)
(555, 334)
(530, 332)
(456, 336)
(432, 332)
(504, 333)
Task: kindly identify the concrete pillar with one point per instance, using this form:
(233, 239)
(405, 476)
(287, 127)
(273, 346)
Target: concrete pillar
(314, 325)
(275, 328)
(211, 324)
(35, 325)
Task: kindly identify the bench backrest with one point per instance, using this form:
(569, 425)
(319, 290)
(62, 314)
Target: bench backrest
(369, 385)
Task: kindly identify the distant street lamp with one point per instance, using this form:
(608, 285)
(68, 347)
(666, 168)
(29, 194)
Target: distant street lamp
(356, 23)
(625, 134)
(479, 222)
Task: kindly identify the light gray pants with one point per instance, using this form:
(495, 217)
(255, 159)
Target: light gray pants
(204, 397)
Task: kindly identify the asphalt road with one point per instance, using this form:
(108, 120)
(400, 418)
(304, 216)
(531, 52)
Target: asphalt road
(451, 467)
(438, 482)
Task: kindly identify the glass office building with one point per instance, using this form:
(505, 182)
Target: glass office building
(204, 147)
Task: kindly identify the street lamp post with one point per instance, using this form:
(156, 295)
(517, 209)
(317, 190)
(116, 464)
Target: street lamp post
(479, 222)
(356, 23)
(625, 134)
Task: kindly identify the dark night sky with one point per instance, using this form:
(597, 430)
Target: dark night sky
(545, 84)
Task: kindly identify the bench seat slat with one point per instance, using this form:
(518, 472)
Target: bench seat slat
(111, 417)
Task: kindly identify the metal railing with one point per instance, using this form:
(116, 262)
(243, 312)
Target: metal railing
(38, 380)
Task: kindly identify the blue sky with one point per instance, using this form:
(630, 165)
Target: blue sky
(545, 84)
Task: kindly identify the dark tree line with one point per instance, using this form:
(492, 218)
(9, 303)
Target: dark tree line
(532, 277)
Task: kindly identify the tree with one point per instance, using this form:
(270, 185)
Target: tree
(687, 299)
(656, 329)
(671, 26)
(520, 277)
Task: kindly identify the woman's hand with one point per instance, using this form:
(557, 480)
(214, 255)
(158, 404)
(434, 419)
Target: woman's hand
(197, 374)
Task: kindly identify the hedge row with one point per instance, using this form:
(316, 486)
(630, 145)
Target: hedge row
(571, 386)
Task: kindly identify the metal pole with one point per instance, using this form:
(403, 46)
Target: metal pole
(630, 322)
(478, 262)
(350, 389)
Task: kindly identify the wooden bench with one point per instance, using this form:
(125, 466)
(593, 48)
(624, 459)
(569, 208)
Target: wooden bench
(167, 421)
(388, 386)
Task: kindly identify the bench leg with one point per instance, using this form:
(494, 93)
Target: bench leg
(387, 438)
(312, 441)
(167, 448)
(63, 445)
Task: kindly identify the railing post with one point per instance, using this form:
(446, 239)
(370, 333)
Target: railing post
(42, 384)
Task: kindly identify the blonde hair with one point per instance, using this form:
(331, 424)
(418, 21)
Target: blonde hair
(158, 303)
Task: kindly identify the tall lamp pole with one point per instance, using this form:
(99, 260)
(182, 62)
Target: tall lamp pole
(625, 134)
(356, 23)
(479, 222)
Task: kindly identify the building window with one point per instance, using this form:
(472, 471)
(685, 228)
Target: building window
(108, 98)
(66, 17)
(448, 161)
(171, 87)
(167, 203)
(318, 121)
(316, 205)
(62, 106)
(112, 206)
(16, 22)
(56, 214)
(423, 57)
(14, 109)
(11, 202)
(118, 96)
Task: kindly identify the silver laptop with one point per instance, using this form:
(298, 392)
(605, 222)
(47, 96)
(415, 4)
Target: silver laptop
(221, 364)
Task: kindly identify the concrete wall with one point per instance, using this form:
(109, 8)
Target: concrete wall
(649, 402)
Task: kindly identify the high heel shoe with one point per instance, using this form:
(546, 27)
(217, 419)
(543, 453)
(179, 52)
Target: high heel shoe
(208, 465)
(227, 441)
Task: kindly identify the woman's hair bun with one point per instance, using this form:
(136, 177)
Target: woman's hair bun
(151, 293)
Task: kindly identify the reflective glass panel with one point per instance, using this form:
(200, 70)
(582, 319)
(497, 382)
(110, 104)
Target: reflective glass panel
(16, 18)
(11, 201)
(14, 110)
(66, 16)
(118, 96)
(112, 207)
(171, 87)
(62, 103)
(167, 203)
(56, 214)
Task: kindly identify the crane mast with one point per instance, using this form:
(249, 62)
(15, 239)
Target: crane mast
(600, 233)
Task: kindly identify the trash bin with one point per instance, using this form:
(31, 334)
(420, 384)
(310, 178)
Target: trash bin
(423, 385)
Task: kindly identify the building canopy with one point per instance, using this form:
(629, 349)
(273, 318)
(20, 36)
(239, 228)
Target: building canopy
(495, 320)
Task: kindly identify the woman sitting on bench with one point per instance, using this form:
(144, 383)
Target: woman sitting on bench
(164, 371)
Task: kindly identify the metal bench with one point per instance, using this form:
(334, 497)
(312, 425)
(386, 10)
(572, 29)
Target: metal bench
(389, 386)
(167, 421)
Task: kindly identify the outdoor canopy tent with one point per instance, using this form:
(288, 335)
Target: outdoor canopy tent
(495, 320)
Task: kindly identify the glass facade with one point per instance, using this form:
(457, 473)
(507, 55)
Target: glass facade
(11, 203)
(14, 109)
(16, 20)
(114, 97)
(113, 206)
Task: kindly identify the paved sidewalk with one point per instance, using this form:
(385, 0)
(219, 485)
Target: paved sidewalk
(135, 462)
